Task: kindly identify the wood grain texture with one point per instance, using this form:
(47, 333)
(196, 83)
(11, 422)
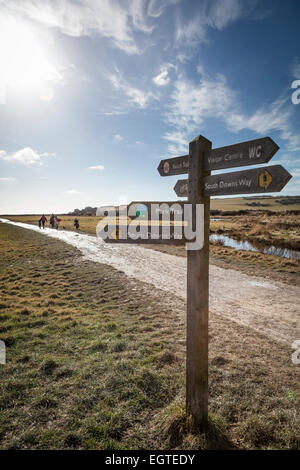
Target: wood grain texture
(197, 295)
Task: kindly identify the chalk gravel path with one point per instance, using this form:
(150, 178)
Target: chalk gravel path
(267, 306)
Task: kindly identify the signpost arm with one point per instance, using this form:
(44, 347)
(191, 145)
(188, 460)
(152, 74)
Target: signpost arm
(197, 293)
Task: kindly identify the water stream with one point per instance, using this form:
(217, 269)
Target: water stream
(259, 248)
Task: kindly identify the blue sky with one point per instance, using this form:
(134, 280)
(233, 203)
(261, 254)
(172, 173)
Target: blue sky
(93, 93)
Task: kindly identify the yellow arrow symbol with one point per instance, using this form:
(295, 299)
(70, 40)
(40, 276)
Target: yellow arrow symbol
(265, 179)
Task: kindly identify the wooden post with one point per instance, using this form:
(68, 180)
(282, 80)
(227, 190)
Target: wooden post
(197, 293)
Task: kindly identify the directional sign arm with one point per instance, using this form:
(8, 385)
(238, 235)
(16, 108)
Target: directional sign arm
(267, 179)
(181, 188)
(259, 180)
(174, 166)
(252, 152)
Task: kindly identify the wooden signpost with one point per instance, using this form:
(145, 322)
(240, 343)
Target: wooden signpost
(197, 294)
(252, 152)
(259, 180)
(199, 186)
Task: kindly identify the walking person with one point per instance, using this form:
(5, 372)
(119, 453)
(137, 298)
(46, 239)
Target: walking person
(40, 222)
(57, 220)
(76, 223)
(52, 221)
(43, 220)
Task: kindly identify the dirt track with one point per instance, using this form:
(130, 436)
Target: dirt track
(270, 307)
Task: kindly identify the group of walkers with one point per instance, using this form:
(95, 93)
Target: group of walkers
(54, 222)
(42, 221)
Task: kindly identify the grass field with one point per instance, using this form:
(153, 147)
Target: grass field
(277, 203)
(95, 361)
(281, 230)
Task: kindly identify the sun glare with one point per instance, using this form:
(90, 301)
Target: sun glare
(24, 65)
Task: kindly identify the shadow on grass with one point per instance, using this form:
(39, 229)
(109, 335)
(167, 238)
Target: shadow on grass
(181, 432)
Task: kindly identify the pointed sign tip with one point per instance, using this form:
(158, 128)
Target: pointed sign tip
(202, 138)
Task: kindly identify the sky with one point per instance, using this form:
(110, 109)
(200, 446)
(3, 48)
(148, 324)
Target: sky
(94, 93)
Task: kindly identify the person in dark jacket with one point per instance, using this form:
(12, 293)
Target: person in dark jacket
(52, 221)
(43, 220)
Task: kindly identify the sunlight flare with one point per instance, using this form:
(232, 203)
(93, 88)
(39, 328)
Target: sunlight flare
(24, 64)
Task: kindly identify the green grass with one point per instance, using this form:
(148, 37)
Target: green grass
(96, 361)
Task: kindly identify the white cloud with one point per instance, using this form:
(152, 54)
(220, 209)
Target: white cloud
(96, 167)
(7, 180)
(112, 19)
(278, 117)
(27, 156)
(192, 104)
(179, 142)
(223, 12)
(138, 13)
(118, 137)
(216, 14)
(163, 77)
(157, 7)
(136, 96)
(182, 57)
(72, 191)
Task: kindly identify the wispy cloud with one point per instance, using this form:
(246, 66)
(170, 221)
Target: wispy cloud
(27, 156)
(96, 167)
(157, 7)
(191, 104)
(216, 14)
(136, 96)
(277, 117)
(179, 142)
(115, 20)
(9, 179)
